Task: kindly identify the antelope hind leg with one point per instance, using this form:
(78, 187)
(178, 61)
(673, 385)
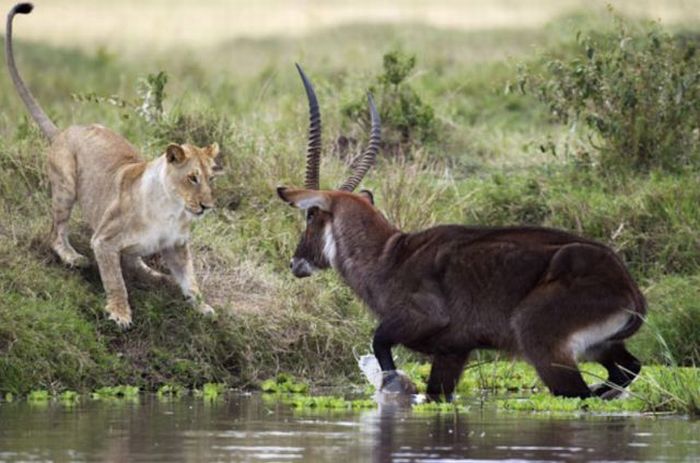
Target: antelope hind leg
(623, 368)
(444, 376)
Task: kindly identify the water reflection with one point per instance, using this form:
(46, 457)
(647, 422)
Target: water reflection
(246, 428)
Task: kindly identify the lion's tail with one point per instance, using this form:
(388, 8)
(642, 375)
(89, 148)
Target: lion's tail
(38, 114)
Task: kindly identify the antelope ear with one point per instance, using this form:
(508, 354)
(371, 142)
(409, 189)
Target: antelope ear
(305, 199)
(367, 196)
(174, 153)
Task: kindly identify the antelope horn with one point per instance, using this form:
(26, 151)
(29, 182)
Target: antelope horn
(313, 148)
(370, 154)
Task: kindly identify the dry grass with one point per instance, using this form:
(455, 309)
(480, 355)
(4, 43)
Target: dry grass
(129, 24)
(246, 96)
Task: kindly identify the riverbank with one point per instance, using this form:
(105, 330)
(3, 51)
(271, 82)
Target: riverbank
(485, 156)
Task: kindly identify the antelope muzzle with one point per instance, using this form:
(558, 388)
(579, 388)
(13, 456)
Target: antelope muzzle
(301, 268)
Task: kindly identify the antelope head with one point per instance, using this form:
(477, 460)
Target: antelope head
(329, 212)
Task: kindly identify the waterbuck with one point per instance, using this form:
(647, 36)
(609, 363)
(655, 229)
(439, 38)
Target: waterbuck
(546, 295)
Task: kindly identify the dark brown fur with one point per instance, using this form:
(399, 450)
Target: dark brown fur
(544, 294)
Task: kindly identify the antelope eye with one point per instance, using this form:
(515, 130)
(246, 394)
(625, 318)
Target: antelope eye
(193, 179)
(310, 214)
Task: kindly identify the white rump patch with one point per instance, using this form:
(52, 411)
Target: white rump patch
(581, 340)
(329, 247)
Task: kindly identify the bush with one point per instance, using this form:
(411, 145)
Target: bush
(406, 119)
(638, 91)
(671, 334)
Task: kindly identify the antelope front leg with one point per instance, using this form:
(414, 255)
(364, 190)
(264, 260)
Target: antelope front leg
(179, 262)
(420, 316)
(381, 345)
(109, 262)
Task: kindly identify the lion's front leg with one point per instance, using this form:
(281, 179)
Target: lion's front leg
(140, 268)
(109, 262)
(179, 261)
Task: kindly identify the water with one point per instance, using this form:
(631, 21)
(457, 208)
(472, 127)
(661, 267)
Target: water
(249, 428)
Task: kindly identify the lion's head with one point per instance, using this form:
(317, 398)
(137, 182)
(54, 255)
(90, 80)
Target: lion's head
(190, 171)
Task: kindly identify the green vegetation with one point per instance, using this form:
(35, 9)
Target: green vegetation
(38, 396)
(327, 403)
(211, 391)
(284, 383)
(170, 391)
(468, 151)
(116, 392)
(68, 397)
(406, 119)
(636, 88)
(440, 407)
(658, 388)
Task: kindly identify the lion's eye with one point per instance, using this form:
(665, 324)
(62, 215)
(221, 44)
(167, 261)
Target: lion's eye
(193, 179)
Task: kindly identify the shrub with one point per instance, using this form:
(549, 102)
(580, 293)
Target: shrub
(637, 90)
(671, 333)
(406, 119)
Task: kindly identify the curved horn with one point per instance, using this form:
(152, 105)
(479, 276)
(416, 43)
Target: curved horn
(313, 148)
(370, 154)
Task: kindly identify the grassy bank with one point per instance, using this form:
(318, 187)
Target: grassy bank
(495, 159)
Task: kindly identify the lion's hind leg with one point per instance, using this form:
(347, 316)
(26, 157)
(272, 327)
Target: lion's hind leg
(62, 175)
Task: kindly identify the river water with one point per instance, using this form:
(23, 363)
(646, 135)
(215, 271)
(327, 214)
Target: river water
(248, 427)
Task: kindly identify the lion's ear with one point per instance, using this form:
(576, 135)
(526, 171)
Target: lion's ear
(175, 153)
(212, 150)
(215, 155)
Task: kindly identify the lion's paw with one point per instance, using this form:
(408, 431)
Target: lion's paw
(119, 313)
(79, 261)
(206, 310)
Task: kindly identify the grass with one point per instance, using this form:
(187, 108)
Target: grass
(658, 389)
(499, 159)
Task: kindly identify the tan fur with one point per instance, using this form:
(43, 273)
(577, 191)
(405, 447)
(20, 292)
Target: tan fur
(135, 208)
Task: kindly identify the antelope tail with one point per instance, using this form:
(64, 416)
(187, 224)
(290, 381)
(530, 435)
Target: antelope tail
(38, 114)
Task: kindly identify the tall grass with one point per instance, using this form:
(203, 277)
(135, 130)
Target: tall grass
(486, 166)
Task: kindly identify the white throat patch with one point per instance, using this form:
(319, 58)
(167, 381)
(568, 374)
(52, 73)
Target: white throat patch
(329, 247)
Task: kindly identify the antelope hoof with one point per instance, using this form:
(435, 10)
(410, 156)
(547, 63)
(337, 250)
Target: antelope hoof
(120, 313)
(607, 392)
(397, 381)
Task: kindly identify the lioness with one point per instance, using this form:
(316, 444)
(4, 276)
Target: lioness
(135, 208)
